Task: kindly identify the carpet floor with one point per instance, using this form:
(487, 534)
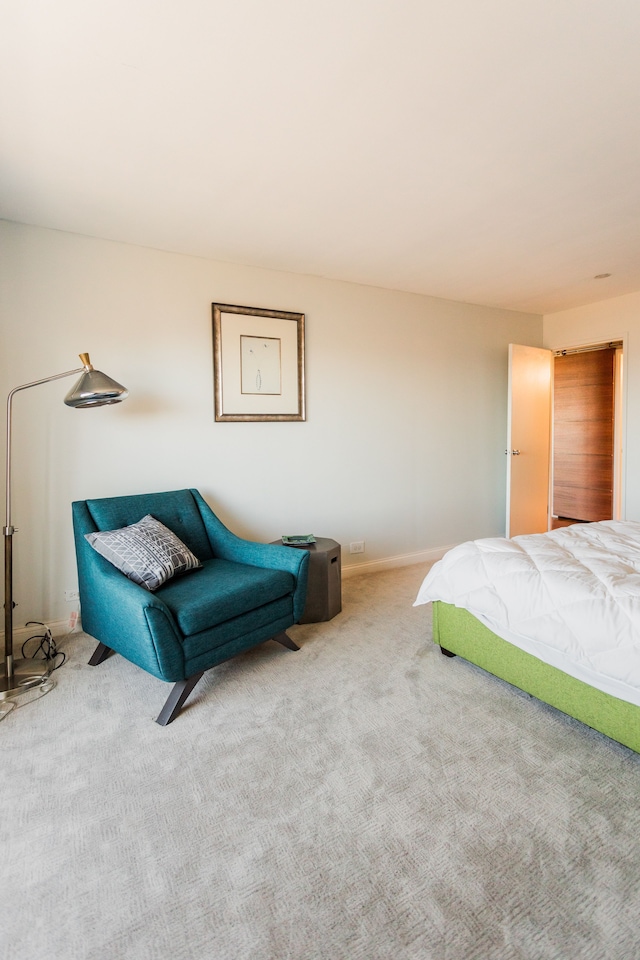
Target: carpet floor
(364, 798)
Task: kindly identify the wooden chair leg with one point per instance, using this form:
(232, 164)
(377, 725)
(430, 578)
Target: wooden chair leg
(179, 693)
(286, 641)
(446, 653)
(100, 654)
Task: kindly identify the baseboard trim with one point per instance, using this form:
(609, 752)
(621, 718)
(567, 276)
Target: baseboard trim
(389, 563)
(59, 628)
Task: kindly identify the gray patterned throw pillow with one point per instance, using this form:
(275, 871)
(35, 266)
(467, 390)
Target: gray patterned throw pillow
(146, 552)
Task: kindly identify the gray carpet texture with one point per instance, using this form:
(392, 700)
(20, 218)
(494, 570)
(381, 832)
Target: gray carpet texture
(363, 798)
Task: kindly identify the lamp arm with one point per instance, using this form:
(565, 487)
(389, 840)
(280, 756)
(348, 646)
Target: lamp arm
(24, 386)
(16, 680)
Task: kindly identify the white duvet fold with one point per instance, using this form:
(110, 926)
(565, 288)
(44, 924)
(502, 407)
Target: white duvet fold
(570, 597)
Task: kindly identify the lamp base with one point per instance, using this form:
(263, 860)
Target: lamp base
(29, 677)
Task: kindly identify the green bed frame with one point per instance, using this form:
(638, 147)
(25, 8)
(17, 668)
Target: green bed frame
(458, 632)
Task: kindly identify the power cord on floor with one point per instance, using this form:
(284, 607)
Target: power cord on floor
(46, 648)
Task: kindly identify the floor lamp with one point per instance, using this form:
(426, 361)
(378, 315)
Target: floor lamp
(25, 676)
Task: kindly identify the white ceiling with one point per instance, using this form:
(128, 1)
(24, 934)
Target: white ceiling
(478, 150)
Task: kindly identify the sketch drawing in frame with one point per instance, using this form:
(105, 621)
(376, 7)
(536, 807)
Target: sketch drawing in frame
(258, 364)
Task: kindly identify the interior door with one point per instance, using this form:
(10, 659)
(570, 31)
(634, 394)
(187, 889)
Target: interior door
(528, 440)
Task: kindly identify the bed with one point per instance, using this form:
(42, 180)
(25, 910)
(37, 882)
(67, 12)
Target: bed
(556, 614)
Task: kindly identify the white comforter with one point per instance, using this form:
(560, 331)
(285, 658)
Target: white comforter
(570, 597)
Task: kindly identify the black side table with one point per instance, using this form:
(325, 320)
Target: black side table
(324, 589)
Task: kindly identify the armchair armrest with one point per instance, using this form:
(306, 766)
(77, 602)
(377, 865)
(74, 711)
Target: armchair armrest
(121, 614)
(228, 546)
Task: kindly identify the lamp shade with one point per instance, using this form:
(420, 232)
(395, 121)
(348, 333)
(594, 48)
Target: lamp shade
(94, 388)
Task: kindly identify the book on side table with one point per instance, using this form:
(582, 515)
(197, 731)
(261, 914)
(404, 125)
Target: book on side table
(298, 540)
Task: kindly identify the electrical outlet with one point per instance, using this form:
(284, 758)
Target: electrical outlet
(357, 546)
(71, 595)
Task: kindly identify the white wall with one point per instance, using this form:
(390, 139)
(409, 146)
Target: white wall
(615, 319)
(406, 405)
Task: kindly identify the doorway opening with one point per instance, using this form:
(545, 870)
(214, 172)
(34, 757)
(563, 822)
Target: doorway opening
(586, 482)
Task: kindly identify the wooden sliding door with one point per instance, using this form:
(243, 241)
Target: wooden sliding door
(583, 435)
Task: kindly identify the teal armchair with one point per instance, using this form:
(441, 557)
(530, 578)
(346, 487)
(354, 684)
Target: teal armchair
(243, 594)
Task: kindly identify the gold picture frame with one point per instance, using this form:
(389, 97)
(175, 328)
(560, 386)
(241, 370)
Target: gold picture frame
(258, 364)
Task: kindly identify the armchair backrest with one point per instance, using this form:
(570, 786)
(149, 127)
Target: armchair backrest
(176, 509)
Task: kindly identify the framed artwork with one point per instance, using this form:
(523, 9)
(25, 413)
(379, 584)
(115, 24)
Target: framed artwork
(258, 364)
